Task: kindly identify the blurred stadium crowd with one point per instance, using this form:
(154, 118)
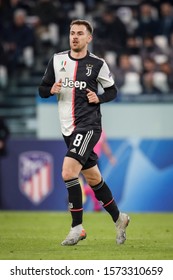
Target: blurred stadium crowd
(135, 38)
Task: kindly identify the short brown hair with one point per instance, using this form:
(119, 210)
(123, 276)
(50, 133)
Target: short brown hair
(83, 22)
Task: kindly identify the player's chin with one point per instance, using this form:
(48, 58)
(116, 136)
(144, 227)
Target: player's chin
(76, 49)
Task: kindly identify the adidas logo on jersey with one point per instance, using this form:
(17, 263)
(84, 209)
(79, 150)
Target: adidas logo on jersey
(73, 150)
(76, 84)
(62, 70)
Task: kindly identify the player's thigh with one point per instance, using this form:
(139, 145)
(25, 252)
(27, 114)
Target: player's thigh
(92, 175)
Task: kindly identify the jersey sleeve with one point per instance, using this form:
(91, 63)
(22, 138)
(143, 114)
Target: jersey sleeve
(104, 76)
(49, 75)
(47, 81)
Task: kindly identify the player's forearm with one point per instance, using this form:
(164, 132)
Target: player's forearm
(44, 90)
(108, 95)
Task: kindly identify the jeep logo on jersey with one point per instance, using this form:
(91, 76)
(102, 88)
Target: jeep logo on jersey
(76, 84)
(35, 175)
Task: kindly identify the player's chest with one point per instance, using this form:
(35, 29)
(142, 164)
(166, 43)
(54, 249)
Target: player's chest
(76, 70)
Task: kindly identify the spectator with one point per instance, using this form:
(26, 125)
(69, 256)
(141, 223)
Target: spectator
(124, 66)
(149, 48)
(126, 16)
(110, 33)
(148, 86)
(19, 42)
(127, 76)
(48, 17)
(9, 7)
(167, 69)
(133, 45)
(166, 19)
(149, 65)
(148, 22)
(159, 78)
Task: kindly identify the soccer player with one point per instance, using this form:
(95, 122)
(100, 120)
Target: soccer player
(74, 76)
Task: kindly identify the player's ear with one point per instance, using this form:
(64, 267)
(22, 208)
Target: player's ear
(90, 37)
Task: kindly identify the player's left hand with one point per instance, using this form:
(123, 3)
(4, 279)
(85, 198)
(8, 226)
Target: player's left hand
(92, 96)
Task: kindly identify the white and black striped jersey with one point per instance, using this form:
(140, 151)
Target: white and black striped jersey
(75, 112)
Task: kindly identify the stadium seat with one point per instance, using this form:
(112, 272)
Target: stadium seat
(110, 58)
(160, 81)
(162, 42)
(160, 58)
(132, 84)
(136, 62)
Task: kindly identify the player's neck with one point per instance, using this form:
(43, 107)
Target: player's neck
(78, 55)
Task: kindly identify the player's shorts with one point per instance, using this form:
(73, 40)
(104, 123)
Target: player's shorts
(80, 147)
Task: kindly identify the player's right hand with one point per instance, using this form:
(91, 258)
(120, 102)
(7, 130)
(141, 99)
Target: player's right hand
(56, 88)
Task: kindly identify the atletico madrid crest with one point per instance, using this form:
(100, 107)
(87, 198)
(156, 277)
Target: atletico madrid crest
(35, 175)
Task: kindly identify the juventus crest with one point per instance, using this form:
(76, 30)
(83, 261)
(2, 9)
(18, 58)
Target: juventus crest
(89, 69)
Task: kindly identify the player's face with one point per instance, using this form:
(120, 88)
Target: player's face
(79, 37)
